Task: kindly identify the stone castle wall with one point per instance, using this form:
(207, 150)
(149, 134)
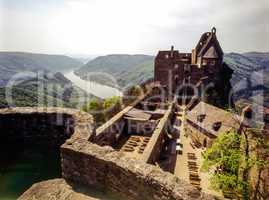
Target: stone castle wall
(95, 166)
(50, 126)
(90, 165)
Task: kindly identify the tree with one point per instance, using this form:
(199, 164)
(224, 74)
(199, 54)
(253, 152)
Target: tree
(103, 110)
(95, 108)
(112, 106)
(233, 156)
(224, 156)
(132, 94)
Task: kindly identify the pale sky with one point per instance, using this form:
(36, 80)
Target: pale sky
(130, 26)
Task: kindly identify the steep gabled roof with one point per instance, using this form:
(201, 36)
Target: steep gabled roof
(208, 40)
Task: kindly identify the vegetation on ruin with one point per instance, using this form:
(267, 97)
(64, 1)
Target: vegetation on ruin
(103, 109)
(132, 94)
(232, 158)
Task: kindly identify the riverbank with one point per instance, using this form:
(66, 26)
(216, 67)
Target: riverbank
(97, 89)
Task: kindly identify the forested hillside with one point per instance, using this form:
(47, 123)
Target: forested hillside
(28, 79)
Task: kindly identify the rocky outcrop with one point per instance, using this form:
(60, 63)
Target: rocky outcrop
(54, 189)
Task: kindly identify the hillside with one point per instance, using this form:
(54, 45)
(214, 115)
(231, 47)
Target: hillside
(33, 80)
(134, 69)
(260, 57)
(14, 62)
(47, 90)
(250, 79)
(127, 69)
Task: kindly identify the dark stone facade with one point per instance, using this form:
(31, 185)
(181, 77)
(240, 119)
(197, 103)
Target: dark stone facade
(175, 70)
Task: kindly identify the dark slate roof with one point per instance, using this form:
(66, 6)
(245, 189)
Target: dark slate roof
(202, 41)
(206, 41)
(213, 115)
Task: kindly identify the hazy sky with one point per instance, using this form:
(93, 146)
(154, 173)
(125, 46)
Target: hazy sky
(130, 26)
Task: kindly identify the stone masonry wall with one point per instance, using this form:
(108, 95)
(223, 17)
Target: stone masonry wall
(95, 166)
(90, 165)
(50, 126)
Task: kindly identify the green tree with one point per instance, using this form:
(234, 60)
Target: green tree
(112, 106)
(132, 94)
(95, 107)
(224, 157)
(103, 110)
(232, 157)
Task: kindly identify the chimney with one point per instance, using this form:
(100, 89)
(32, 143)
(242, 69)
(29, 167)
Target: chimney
(213, 31)
(172, 51)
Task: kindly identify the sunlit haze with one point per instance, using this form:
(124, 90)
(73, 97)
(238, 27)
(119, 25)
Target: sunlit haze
(130, 26)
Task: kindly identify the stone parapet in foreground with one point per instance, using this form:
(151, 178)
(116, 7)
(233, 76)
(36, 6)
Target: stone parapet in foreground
(87, 165)
(95, 166)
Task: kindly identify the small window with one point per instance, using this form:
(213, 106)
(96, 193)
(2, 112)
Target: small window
(216, 126)
(201, 117)
(166, 56)
(213, 62)
(176, 66)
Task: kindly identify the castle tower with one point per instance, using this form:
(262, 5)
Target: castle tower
(203, 65)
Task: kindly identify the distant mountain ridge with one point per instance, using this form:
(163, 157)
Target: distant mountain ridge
(14, 62)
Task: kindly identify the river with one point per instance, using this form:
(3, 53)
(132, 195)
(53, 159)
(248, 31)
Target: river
(24, 166)
(99, 90)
